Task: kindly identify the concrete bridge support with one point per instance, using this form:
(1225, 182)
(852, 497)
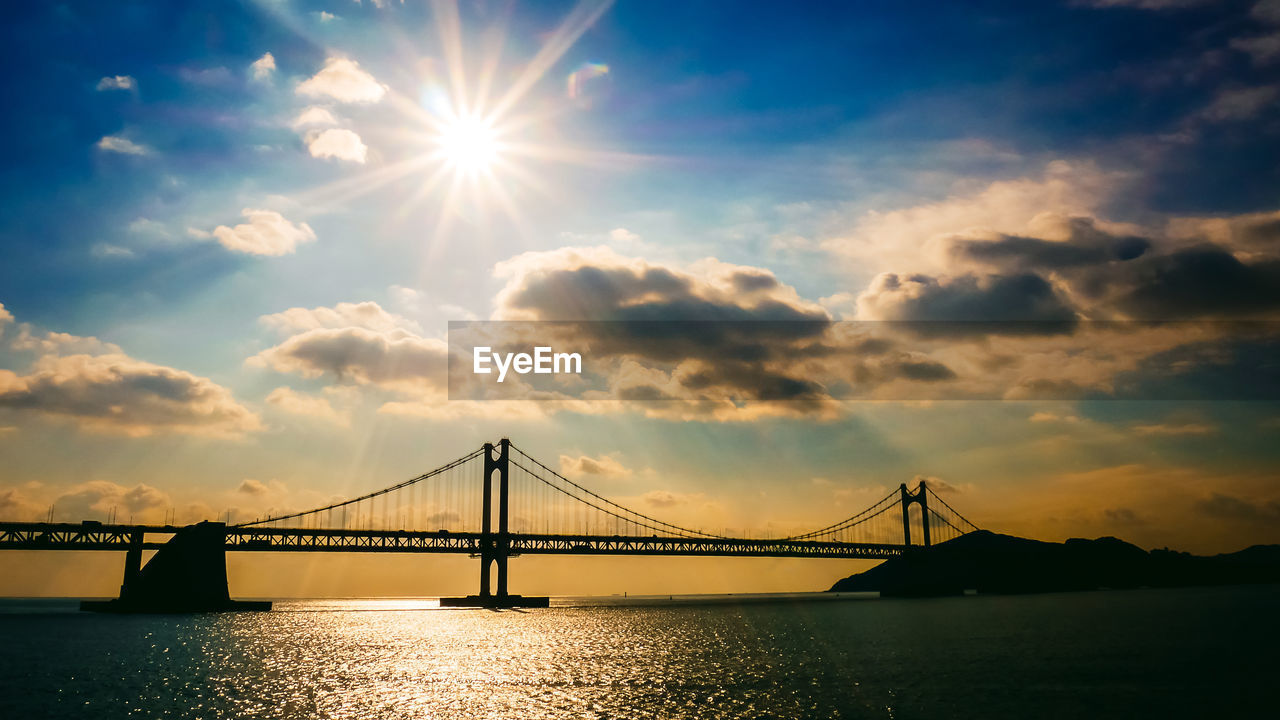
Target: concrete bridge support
(187, 574)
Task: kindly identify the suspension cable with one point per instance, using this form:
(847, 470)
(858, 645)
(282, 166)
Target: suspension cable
(605, 500)
(368, 496)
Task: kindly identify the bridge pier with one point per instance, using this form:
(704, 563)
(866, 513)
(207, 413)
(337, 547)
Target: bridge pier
(187, 574)
(495, 548)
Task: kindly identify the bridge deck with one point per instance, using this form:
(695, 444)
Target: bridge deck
(92, 536)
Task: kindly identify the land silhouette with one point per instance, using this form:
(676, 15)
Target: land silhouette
(988, 562)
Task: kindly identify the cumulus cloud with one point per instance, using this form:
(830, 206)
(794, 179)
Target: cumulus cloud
(314, 115)
(122, 145)
(117, 82)
(362, 347)
(116, 393)
(342, 79)
(354, 354)
(337, 143)
(97, 498)
(266, 233)
(728, 332)
(249, 486)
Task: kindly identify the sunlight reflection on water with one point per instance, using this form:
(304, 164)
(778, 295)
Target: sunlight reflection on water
(1094, 654)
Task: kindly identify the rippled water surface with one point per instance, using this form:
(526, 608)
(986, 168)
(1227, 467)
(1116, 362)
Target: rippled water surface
(1162, 653)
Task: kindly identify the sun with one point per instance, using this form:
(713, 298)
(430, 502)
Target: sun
(469, 144)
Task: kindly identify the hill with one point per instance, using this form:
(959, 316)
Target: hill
(992, 563)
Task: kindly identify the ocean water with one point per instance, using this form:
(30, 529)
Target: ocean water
(1125, 654)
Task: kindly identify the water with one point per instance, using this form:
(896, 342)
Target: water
(1147, 653)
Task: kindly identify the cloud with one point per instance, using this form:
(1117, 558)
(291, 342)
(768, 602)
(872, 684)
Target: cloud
(940, 486)
(6, 318)
(1264, 49)
(310, 406)
(314, 115)
(1148, 4)
(664, 498)
(99, 497)
(1078, 242)
(266, 233)
(1267, 11)
(338, 143)
(1045, 417)
(124, 146)
(15, 506)
(342, 79)
(604, 466)
(369, 315)
(116, 393)
(57, 343)
(1203, 281)
(249, 486)
(360, 345)
(966, 305)
(1122, 516)
(729, 333)
(395, 359)
(1240, 103)
(117, 82)
(263, 67)
(1201, 267)
(1175, 430)
(1228, 507)
(914, 239)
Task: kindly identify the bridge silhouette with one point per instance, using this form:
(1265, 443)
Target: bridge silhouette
(452, 510)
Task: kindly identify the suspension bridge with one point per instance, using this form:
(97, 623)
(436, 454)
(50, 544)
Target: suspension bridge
(453, 509)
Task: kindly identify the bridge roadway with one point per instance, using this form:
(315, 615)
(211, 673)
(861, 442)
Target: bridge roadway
(95, 536)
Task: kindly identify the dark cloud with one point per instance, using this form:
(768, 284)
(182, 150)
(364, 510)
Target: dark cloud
(1122, 516)
(718, 331)
(1085, 245)
(1022, 304)
(1228, 507)
(924, 370)
(1128, 274)
(1239, 365)
(1203, 281)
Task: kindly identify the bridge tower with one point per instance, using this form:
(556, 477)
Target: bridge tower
(495, 548)
(921, 498)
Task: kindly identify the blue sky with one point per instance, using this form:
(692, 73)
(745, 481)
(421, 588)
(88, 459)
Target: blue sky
(194, 192)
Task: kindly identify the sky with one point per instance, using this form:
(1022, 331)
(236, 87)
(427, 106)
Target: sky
(1028, 251)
